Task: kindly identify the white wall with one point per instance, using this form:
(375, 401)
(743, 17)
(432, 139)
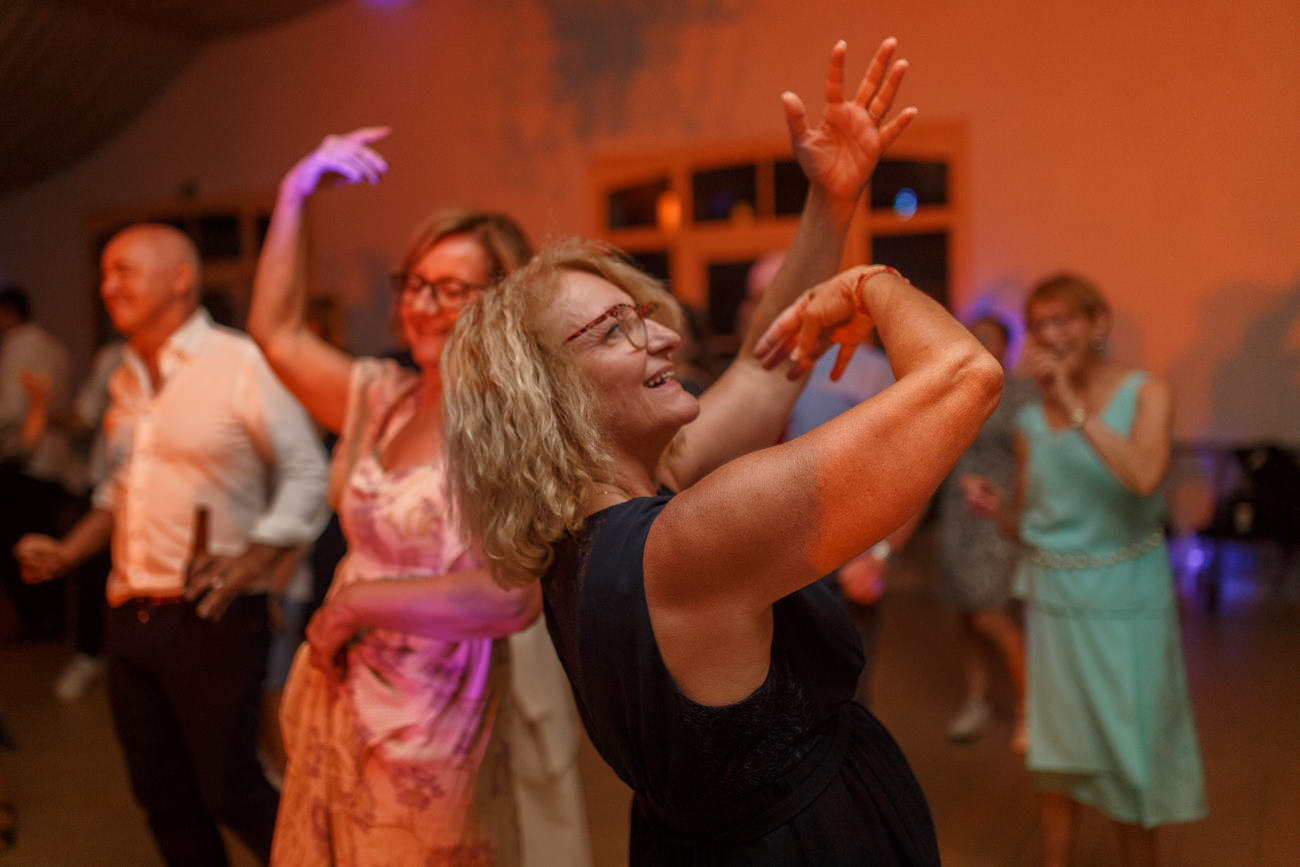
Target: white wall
(1151, 146)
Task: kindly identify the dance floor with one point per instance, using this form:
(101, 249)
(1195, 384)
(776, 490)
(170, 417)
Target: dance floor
(75, 810)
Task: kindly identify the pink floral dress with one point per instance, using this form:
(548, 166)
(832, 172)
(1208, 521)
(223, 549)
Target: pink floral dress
(400, 763)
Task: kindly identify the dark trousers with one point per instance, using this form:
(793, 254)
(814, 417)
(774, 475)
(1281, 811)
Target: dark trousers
(90, 580)
(185, 694)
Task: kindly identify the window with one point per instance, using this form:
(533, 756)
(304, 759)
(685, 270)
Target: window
(699, 217)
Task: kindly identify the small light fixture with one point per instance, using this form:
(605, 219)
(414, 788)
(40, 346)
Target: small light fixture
(668, 212)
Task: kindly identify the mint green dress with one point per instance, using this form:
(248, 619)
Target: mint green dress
(1110, 723)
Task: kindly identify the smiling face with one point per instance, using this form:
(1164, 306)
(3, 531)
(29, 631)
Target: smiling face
(641, 404)
(1066, 333)
(425, 323)
(147, 281)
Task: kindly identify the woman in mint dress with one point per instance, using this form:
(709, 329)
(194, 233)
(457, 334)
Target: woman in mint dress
(1110, 724)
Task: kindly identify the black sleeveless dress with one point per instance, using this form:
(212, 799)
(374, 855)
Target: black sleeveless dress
(796, 773)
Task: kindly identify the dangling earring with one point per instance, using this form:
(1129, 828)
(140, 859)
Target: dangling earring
(1099, 345)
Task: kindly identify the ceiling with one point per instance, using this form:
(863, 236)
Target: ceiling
(74, 72)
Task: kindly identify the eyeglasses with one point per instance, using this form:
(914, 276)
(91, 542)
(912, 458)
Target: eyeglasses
(1059, 321)
(629, 322)
(451, 293)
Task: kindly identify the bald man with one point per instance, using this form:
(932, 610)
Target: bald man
(197, 422)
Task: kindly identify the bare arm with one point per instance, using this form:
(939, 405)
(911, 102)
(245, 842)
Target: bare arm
(37, 386)
(314, 371)
(722, 552)
(747, 407)
(43, 557)
(1140, 460)
(862, 579)
(458, 606)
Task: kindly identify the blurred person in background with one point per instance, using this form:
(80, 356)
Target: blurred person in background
(977, 563)
(36, 474)
(1109, 719)
(216, 480)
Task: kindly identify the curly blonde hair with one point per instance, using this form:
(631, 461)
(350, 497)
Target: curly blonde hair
(522, 425)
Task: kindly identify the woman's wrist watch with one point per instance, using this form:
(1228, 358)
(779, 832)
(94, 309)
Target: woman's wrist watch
(1078, 416)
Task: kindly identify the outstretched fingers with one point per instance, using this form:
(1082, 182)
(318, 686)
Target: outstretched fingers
(778, 341)
(875, 72)
(842, 360)
(879, 104)
(796, 116)
(895, 127)
(351, 156)
(835, 76)
(367, 135)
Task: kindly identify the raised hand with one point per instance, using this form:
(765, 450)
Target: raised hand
(829, 313)
(840, 153)
(339, 160)
(1043, 363)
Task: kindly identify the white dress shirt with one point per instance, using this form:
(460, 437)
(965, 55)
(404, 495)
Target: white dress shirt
(91, 402)
(29, 347)
(221, 432)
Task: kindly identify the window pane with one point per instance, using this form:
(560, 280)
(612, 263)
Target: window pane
(922, 259)
(263, 224)
(218, 236)
(653, 262)
(725, 192)
(927, 181)
(728, 282)
(791, 188)
(221, 305)
(632, 207)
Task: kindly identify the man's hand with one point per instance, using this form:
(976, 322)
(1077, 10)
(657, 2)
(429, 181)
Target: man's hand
(216, 581)
(41, 558)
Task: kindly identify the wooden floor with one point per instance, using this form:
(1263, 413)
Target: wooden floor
(1244, 665)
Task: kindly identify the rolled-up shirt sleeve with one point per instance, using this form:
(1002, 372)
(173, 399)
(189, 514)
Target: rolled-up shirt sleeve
(280, 428)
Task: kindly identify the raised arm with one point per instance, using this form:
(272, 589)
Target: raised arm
(722, 552)
(316, 372)
(747, 408)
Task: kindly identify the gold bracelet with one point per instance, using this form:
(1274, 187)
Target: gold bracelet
(863, 279)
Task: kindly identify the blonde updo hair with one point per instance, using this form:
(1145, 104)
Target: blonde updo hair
(500, 238)
(1082, 296)
(523, 433)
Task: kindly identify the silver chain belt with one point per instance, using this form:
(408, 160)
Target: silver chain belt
(1052, 560)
